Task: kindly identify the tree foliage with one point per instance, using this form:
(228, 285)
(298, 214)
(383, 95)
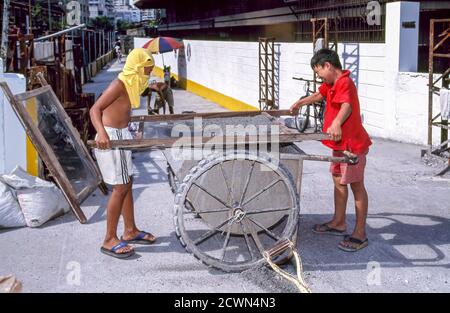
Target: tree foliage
(102, 22)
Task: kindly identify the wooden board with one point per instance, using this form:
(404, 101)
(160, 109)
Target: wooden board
(162, 143)
(188, 116)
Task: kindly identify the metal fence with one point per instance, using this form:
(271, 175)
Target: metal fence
(350, 19)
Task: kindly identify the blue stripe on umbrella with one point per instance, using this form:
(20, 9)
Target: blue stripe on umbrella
(164, 46)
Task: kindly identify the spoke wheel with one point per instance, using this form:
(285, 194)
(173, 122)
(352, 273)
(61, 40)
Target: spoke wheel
(172, 179)
(318, 116)
(246, 204)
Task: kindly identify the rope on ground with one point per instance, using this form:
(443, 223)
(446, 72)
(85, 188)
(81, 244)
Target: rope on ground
(298, 280)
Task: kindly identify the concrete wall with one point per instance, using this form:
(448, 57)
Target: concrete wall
(12, 135)
(394, 104)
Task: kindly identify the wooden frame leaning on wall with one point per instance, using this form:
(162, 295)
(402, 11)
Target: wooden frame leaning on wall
(45, 151)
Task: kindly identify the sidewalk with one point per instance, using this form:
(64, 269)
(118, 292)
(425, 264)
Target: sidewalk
(408, 229)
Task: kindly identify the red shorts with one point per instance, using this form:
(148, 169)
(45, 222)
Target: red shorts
(350, 173)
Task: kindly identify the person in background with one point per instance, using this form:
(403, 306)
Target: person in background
(163, 94)
(118, 50)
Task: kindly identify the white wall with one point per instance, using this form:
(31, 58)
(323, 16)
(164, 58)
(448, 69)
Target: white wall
(12, 134)
(226, 67)
(407, 110)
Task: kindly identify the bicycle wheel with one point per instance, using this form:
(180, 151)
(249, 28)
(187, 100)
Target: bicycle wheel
(319, 112)
(302, 119)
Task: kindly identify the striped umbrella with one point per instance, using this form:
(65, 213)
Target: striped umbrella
(162, 44)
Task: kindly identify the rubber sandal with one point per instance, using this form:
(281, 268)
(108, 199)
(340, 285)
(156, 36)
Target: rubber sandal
(325, 229)
(113, 251)
(360, 244)
(139, 239)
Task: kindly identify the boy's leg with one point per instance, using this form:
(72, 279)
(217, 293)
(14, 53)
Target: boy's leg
(361, 207)
(354, 175)
(340, 204)
(128, 210)
(130, 229)
(112, 218)
(159, 102)
(358, 238)
(168, 94)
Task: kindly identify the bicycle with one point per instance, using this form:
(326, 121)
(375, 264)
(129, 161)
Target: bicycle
(302, 120)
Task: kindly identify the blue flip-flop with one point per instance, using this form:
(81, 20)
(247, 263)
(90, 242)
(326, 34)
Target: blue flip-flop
(113, 251)
(139, 239)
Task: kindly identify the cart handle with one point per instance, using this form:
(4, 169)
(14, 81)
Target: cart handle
(348, 157)
(298, 279)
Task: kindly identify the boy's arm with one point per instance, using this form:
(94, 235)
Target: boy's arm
(335, 130)
(106, 99)
(315, 97)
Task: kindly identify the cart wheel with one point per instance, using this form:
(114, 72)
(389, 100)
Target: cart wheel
(246, 204)
(171, 178)
(173, 183)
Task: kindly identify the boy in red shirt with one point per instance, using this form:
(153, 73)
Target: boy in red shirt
(342, 122)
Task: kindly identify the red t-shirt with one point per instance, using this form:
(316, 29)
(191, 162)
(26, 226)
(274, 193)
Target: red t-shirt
(354, 137)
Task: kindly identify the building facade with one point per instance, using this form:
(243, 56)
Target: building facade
(101, 8)
(126, 11)
(119, 3)
(84, 10)
(109, 8)
(148, 15)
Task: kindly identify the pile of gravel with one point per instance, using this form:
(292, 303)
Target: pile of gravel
(264, 277)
